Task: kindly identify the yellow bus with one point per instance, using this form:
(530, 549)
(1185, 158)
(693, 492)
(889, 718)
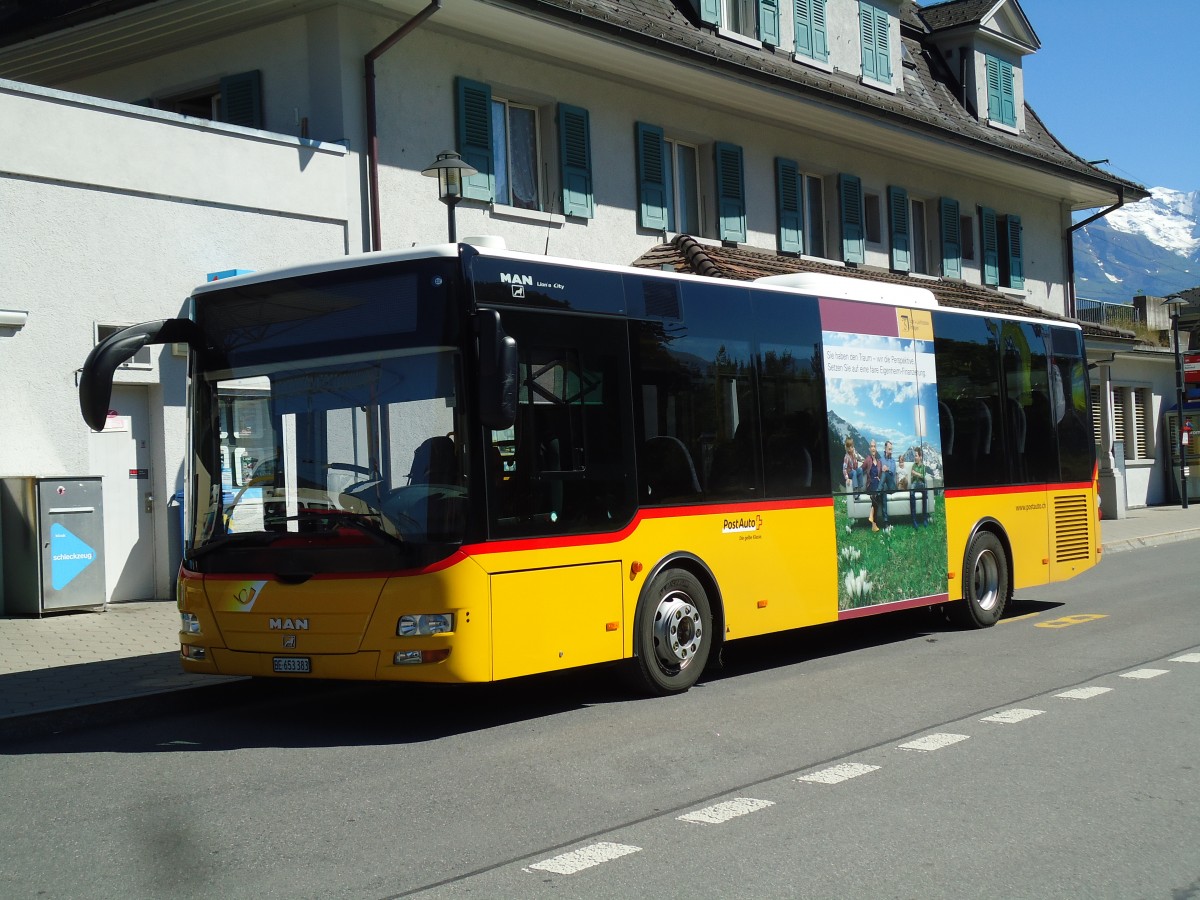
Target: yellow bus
(462, 464)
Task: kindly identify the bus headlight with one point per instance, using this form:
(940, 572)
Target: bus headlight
(188, 623)
(431, 623)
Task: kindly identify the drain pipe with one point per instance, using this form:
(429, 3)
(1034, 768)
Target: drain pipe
(373, 123)
(1069, 237)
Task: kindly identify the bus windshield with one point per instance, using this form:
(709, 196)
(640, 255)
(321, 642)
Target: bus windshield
(334, 428)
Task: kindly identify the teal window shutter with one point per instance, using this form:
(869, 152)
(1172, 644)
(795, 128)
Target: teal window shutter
(575, 161)
(820, 33)
(474, 138)
(768, 22)
(1002, 99)
(898, 222)
(1014, 258)
(951, 238)
(241, 99)
(789, 205)
(804, 27)
(709, 10)
(812, 39)
(874, 27)
(731, 192)
(652, 177)
(850, 197)
(990, 245)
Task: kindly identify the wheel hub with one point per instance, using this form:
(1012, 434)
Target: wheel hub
(987, 580)
(678, 631)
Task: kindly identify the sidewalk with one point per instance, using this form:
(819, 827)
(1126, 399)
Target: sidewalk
(73, 667)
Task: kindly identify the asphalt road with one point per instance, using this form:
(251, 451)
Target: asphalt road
(894, 757)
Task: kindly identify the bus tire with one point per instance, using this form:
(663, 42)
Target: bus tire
(672, 633)
(985, 582)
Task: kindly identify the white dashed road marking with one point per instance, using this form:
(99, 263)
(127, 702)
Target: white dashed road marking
(838, 774)
(934, 742)
(1012, 716)
(584, 858)
(1083, 693)
(1187, 657)
(1145, 673)
(723, 812)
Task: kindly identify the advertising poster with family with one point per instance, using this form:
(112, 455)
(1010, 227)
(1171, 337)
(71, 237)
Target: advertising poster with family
(883, 418)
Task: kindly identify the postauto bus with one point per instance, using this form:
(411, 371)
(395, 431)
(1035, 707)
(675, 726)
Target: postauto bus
(462, 464)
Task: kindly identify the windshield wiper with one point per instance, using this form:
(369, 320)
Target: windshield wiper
(363, 523)
(236, 539)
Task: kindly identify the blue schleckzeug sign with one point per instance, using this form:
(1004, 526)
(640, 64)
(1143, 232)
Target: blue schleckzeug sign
(68, 556)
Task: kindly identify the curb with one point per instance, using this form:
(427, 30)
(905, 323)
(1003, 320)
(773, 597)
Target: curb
(1150, 540)
(43, 723)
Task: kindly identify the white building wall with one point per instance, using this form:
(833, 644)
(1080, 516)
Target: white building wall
(120, 234)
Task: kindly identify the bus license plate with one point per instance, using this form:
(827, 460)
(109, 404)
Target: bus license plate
(292, 664)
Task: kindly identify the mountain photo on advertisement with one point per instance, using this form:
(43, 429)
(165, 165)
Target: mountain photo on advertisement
(1151, 247)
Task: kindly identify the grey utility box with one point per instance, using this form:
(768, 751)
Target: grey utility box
(53, 544)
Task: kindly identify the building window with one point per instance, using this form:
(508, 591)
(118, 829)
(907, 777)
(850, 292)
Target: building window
(501, 139)
(871, 219)
(966, 230)
(812, 38)
(1131, 418)
(668, 182)
(140, 360)
(755, 19)
(918, 238)
(874, 32)
(801, 205)
(683, 187)
(515, 151)
(1002, 98)
(235, 99)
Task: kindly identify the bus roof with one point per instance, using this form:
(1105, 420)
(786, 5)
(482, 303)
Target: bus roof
(818, 284)
(839, 287)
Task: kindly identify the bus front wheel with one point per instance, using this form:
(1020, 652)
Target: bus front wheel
(673, 632)
(985, 582)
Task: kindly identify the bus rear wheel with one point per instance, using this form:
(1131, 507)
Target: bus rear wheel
(986, 582)
(672, 633)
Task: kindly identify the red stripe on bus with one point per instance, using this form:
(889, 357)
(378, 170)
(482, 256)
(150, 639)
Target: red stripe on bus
(1017, 489)
(892, 607)
(663, 512)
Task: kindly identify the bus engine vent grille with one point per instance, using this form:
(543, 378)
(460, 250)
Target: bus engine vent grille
(1072, 528)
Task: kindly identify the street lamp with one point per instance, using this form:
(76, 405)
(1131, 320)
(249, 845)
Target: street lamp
(449, 170)
(1175, 305)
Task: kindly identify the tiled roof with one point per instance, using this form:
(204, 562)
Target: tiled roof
(928, 101)
(686, 254)
(955, 12)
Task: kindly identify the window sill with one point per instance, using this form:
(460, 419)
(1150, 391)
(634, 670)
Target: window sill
(812, 63)
(528, 215)
(1013, 292)
(739, 38)
(1140, 463)
(922, 276)
(1001, 126)
(822, 259)
(886, 86)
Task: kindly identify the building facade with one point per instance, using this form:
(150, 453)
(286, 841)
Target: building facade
(162, 142)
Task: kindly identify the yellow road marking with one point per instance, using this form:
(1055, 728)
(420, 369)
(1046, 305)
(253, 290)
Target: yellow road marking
(1019, 618)
(1067, 621)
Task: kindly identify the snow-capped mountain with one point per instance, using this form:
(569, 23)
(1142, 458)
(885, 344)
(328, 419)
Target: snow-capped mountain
(1150, 247)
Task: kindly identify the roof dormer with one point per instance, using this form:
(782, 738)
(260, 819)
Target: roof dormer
(984, 42)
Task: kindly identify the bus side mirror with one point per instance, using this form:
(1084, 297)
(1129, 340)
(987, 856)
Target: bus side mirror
(497, 372)
(96, 376)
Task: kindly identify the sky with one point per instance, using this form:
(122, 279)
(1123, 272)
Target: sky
(1115, 80)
